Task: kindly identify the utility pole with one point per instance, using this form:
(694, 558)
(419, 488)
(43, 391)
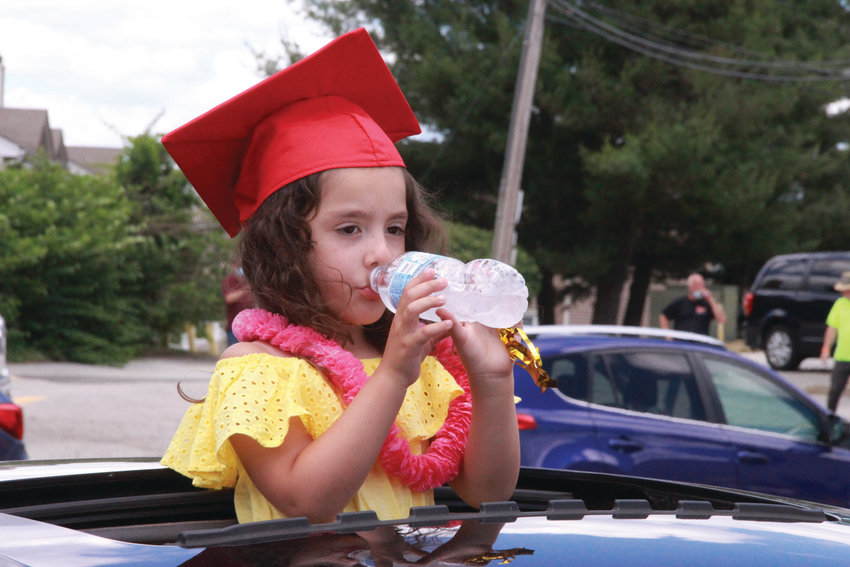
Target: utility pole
(507, 209)
(2, 81)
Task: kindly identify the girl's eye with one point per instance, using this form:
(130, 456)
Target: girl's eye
(350, 229)
(396, 230)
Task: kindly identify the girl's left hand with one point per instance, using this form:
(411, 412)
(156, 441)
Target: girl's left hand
(482, 352)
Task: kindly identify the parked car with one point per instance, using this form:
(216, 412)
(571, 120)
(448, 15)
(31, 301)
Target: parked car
(11, 430)
(11, 414)
(5, 378)
(785, 310)
(139, 513)
(683, 409)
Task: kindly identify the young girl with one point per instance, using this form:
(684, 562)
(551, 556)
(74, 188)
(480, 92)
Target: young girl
(330, 403)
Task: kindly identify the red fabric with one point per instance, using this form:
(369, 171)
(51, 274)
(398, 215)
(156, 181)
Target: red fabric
(339, 107)
(307, 137)
(233, 282)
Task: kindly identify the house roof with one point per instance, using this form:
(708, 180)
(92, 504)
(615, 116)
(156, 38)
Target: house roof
(29, 128)
(57, 141)
(93, 159)
(9, 150)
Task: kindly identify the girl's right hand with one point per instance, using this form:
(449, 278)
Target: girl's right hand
(409, 341)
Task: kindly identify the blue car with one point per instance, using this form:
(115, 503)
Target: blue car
(678, 407)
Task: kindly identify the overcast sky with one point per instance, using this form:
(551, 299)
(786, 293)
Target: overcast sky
(104, 69)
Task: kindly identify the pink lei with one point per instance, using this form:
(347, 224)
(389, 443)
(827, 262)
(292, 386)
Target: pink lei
(440, 463)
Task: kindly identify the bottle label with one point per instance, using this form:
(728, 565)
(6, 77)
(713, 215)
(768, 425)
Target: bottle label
(411, 265)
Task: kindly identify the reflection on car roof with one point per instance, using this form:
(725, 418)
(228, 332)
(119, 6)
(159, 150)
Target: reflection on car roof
(620, 331)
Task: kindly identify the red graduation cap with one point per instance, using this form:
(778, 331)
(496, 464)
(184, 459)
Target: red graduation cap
(339, 107)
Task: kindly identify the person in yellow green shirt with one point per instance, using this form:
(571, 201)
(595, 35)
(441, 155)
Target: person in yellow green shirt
(838, 326)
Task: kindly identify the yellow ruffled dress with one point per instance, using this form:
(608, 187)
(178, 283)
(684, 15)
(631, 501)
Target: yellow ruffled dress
(257, 394)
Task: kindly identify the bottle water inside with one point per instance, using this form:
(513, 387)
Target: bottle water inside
(487, 291)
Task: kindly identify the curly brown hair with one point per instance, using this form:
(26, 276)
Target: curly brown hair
(276, 242)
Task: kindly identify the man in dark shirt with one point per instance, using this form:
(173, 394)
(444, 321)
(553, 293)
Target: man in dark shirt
(693, 312)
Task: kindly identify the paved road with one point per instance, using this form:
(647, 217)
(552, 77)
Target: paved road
(81, 411)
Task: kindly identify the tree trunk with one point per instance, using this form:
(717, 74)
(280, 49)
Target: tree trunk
(608, 291)
(637, 292)
(547, 298)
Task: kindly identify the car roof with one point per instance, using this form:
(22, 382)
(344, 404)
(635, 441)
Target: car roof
(588, 517)
(683, 536)
(822, 254)
(620, 331)
(768, 264)
(551, 338)
(557, 340)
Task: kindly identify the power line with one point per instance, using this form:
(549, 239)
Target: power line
(769, 69)
(636, 22)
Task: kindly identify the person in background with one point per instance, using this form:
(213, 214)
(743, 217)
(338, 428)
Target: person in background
(838, 327)
(693, 312)
(237, 297)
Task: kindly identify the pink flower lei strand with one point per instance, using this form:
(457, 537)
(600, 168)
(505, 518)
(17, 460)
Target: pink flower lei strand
(441, 462)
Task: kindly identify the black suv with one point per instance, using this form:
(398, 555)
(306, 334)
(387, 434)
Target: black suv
(785, 310)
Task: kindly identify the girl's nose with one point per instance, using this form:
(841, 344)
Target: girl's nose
(379, 253)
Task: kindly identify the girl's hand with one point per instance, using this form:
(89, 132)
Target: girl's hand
(482, 352)
(409, 341)
(491, 460)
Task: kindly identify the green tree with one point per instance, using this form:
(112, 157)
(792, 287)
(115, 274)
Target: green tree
(467, 242)
(182, 253)
(635, 166)
(66, 260)
(98, 268)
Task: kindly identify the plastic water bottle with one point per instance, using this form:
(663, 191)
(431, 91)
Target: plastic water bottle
(487, 291)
